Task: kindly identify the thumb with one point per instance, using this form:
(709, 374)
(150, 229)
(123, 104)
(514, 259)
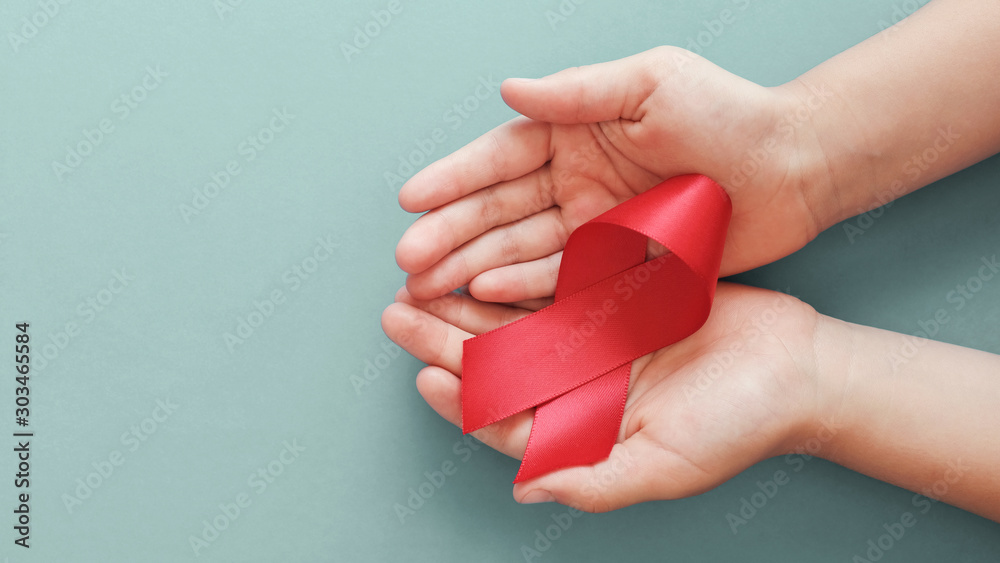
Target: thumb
(586, 94)
(633, 473)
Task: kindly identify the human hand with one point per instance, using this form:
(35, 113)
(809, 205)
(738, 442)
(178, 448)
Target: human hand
(502, 208)
(741, 389)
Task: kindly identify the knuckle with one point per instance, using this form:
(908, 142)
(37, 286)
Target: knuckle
(665, 52)
(447, 225)
(553, 271)
(543, 192)
(594, 504)
(499, 160)
(490, 212)
(508, 247)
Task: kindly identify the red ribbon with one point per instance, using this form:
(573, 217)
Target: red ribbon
(573, 358)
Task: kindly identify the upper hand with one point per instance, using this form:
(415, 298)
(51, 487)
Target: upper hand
(502, 207)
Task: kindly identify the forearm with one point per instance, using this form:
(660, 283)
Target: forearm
(916, 413)
(911, 105)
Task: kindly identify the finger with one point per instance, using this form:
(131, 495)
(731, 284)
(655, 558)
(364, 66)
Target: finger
(636, 471)
(529, 281)
(518, 282)
(446, 228)
(587, 94)
(464, 312)
(443, 392)
(505, 153)
(425, 336)
(525, 240)
(525, 284)
(533, 304)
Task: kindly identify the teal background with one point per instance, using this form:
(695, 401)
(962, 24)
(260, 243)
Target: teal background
(162, 337)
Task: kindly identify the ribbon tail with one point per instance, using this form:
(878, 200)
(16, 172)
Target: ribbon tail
(578, 428)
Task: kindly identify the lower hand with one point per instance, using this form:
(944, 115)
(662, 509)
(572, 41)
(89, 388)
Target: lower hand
(743, 388)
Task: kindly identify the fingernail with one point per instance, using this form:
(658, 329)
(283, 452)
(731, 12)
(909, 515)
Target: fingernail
(537, 496)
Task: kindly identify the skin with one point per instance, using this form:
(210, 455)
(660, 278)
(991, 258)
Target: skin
(871, 124)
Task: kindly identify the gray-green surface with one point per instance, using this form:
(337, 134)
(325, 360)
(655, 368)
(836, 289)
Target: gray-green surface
(273, 420)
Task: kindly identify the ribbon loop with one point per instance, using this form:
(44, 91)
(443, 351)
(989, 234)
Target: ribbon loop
(572, 360)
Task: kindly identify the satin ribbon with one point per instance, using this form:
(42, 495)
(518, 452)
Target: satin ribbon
(572, 359)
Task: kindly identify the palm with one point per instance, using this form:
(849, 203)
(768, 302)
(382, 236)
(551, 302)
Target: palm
(688, 424)
(726, 397)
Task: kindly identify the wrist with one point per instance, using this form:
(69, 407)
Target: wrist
(825, 149)
(830, 414)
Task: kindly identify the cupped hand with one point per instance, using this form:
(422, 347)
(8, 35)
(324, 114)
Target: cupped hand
(741, 389)
(501, 208)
